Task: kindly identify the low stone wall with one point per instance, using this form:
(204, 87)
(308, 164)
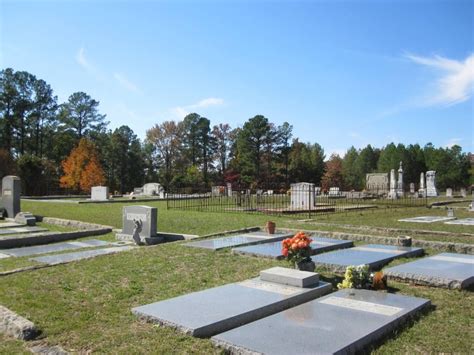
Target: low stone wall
(16, 326)
(72, 223)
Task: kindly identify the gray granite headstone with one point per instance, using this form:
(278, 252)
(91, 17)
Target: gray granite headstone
(209, 312)
(449, 192)
(344, 322)
(148, 217)
(431, 190)
(100, 193)
(11, 194)
(447, 270)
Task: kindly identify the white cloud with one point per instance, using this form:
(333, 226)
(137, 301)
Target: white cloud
(181, 111)
(124, 82)
(82, 60)
(456, 81)
(453, 141)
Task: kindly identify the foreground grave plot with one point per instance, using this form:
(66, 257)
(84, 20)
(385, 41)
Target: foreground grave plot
(427, 219)
(18, 230)
(51, 248)
(68, 257)
(239, 239)
(374, 255)
(342, 322)
(464, 222)
(447, 270)
(218, 309)
(273, 250)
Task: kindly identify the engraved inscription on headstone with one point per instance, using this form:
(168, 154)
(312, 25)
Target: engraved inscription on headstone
(11, 193)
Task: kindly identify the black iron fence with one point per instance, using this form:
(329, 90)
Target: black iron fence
(302, 201)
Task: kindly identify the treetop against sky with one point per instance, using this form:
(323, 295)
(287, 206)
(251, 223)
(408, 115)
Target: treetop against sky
(342, 73)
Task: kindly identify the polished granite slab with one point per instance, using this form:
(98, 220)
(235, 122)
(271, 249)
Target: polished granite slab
(273, 250)
(448, 270)
(344, 322)
(462, 221)
(19, 230)
(208, 312)
(374, 255)
(427, 219)
(51, 248)
(238, 240)
(79, 255)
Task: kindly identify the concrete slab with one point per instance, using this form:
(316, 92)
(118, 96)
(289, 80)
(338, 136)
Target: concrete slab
(340, 323)
(80, 255)
(427, 219)
(463, 221)
(19, 230)
(374, 255)
(273, 250)
(218, 309)
(4, 256)
(235, 240)
(51, 248)
(448, 270)
(10, 225)
(291, 277)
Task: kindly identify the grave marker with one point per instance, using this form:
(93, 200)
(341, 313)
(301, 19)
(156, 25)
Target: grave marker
(302, 196)
(431, 190)
(147, 217)
(449, 192)
(100, 193)
(11, 193)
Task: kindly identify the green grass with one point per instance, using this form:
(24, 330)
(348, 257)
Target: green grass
(85, 306)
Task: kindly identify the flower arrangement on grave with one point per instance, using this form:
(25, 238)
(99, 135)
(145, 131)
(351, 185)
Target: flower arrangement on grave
(297, 249)
(359, 277)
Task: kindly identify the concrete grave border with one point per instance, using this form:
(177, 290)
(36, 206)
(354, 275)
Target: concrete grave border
(16, 326)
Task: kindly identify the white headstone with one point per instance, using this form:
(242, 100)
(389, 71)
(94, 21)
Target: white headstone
(400, 181)
(229, 189)
(431, 190)
(463, 192)
(449, 192)
(334, 191)
(153, 189)
(302, 195)
(99, 193)
(412, 187)
(393, 185)
(422, 190)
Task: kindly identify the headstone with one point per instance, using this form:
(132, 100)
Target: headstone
(393, 185)
(412, 187)
(450, 212)
(463, 192)
(238, 240)
(317, 190)
(400, 187)
(229, 189)
(215, 310)
(422, 189)
(431, 190)
(11, 194)
(153, 189)
(377, 182)
(343, 322)
(100, 193)
(334, 192)
(449, 192)
(147, 218)
(449, 270)
(25, 218)
(302, 196)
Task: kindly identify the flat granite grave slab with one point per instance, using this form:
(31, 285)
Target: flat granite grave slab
(208, 312)
(449, 270)
(80, 255)
(339, 323)
(374, 255)
(19, 230)
(51, 248)
(463, 221)
(427, 219)
(239, 239)
(10, 224)
(273, 250)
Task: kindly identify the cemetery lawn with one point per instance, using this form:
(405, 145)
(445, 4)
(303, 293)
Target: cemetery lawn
(86, 306)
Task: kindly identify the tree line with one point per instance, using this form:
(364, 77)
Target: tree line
(53, 146)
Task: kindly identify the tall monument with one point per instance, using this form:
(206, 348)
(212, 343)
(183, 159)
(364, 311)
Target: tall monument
(422, 190)
(393, 185)
(400, 181)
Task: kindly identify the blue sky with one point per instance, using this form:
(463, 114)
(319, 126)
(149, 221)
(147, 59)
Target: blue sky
(341, 72)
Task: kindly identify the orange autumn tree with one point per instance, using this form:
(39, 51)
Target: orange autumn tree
(82, 168)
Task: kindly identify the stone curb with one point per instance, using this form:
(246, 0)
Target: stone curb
(16, 326)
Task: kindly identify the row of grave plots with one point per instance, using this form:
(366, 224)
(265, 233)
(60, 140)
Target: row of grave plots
(290, 311)
(294, 202)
